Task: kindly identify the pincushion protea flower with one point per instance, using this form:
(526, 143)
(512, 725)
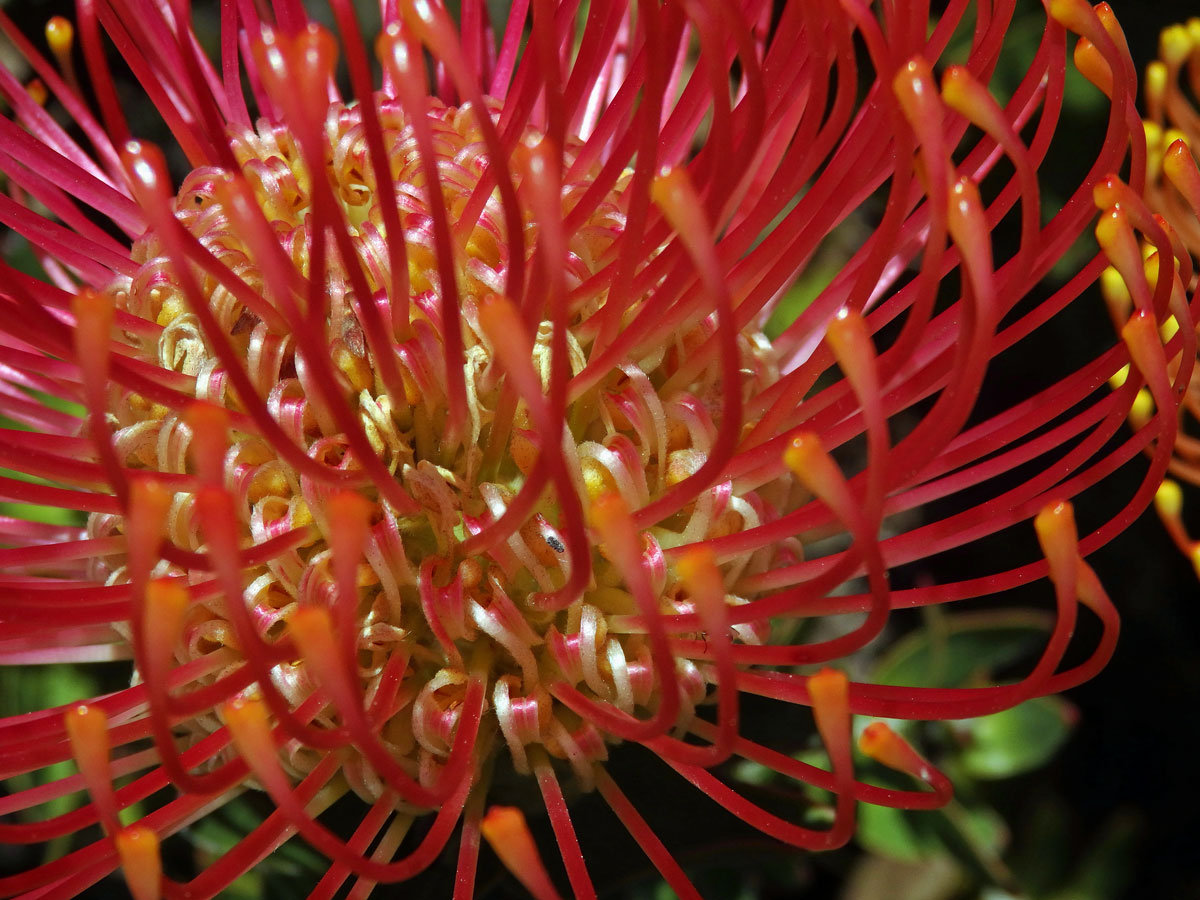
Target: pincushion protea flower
(430, 428)
(1173, 193)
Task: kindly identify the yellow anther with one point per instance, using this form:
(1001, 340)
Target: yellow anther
(60, 35)
(1174, 45)
(1168, 329)
(1142, 410)
(597, 480)
(301, 514)
(355, 367)
(1116, 292)
(173, 306)
(1119, 378)
(1154, 134)
(1155, 86)
(1168, 499)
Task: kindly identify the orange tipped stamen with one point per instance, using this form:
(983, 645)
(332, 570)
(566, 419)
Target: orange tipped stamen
(295, 68)
(87, 730)
(850, 340)
(1104, 12)
(1142, 339)
(1115, 235)
(251, 732)
(501, 323)
(916, 89)
(697, 568)
(609, 516)
(879, 742)
(969, 228)
(141, 862)
(210, 441)
(36, 89)
(1074, 15)
(830, 693)
(311, 626)
(146, 524)
(312, 629)
(93, 313)
(349, 515)
(1180, 168)
(60, 36)
(808, 460)
(672, 192)
(167, 601)
(508, 835)
(146, 168)
(394, 53)
(1091, 65)
(1055, 527)
(971, 100)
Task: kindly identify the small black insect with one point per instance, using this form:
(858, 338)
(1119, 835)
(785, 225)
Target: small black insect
(555, 544)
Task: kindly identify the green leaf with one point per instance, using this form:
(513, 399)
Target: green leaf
(956, 651)
(893, 833)
(1016, 740)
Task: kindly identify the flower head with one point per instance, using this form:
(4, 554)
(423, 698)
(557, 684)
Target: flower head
(430, 427)
(1173, 194)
